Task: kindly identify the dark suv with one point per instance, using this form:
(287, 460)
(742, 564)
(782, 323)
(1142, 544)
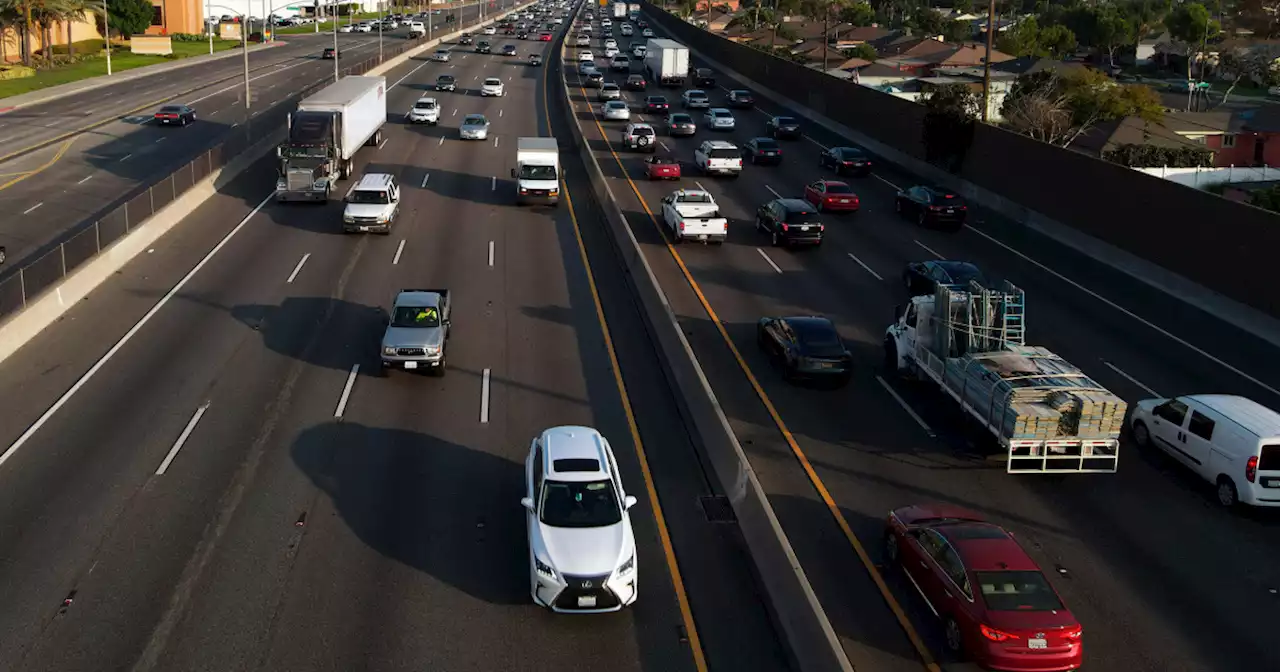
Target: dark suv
(790, 221)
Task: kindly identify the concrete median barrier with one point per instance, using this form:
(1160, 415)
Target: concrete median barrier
(799, 617)
(45, 308)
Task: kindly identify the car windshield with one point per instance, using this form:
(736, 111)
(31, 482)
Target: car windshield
(171, 109)
(658, 100)
(681, 119)
(1017, 591)
(369, 196)
(474, 120)
(802, 217)
(766, 143)
(424, 105)
(416, 317)
(610, 87)
(662, 161)
(617, 105)
(442, 52)
(819, 337)
(528, 172)
(740, 94)
(785, 121)
(579, 504)
(837, 188)
(444, 79)
(493, 81)
(723, 114)
(848, 153)
(696, 94)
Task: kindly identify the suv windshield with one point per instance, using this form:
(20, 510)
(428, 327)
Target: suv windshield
(1017, 591)
(585, 504)
(695, 95)
(369, 197)
(528, 172)
(416, 317)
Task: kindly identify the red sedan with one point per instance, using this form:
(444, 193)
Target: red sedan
(544, 37)
(829, 195)
(662, 168)
(996, 605)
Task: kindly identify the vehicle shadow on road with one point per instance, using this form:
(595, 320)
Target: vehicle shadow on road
(450, 511)
(351, 330)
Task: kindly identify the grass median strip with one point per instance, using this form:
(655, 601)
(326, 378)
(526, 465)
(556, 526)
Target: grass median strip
(95, 66)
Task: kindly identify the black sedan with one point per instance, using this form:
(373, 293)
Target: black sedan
(446, 83)
(932, 206)
(175, 115)
(509, 50)
(466, 39)
(522, 35)
(921, 277)
(846, 161)
(702, 78)
(741, 99)
(805, 347)
(329, 54)
(484, 48)
(656, 104)
(790, 222)
(636, 83)
(762, 152)
(784, 128)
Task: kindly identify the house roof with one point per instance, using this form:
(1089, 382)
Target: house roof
(853, 64)
(1029, 64)
(1131, 131)
(880, 69)
(864, 34)
(1264, 119)
(1200, 122)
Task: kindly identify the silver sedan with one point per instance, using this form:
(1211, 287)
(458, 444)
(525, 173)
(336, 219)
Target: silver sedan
(474, 127)
(616, 110)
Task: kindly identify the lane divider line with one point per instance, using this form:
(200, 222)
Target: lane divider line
(906, 407)
(928, 249)
(56, 157)
(484, 398)
(32, 208)
(865, 267)
(297, 269)
(766, 258)
(1131, 379)
(346, 392)
(917, 642)
(133, 331)
(399, 250)
(426, 177)
(491, 254)
(182, 439)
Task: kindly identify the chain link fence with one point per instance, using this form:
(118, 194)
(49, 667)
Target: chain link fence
(45, 267)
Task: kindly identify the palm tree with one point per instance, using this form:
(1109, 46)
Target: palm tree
(74, 11)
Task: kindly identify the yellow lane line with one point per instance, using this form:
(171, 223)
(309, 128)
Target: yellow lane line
(22, 176)
(668, 549)
(926, 657)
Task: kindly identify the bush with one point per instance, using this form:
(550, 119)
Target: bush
(1151, 156)
(188, 37)
(1268, 199)
(16, 71)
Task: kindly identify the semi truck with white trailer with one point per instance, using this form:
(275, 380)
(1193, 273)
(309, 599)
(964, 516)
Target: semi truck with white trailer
(537, 171)
(1046, 415)
(325, 132)
(666, 62)
(619, 10)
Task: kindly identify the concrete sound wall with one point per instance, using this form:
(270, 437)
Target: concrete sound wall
(1208, 240)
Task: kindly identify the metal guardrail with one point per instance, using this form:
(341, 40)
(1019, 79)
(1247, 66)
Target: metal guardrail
(45, 267)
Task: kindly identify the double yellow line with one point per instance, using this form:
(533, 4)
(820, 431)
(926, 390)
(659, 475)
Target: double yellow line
(66, 144)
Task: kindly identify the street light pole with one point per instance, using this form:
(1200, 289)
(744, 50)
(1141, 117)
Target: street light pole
(336, 54)
(986, 62)
(208, 10)
(244, 44)
(106, 40)
(379, 31)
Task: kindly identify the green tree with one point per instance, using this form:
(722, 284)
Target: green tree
(1055, 41)
(1191, 24)
(130, 17)
(864, 51)
(1058, 109)
(1020, 40)
(858, 14)
(962, 6)
(949, 119)
(1259, 65)
(1111, 30)
(928, 21)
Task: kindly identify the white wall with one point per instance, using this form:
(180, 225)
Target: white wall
(1203, 177)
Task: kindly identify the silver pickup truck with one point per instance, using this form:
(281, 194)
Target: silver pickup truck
(417, 331)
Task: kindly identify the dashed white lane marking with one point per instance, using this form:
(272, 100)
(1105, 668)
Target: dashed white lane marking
(85, 180)
(494, 187)
(766, 258)
(865, 267)
(491, 254)
(1131, 379)
(441, 141)
(182, 439)
(133, 331)
(910, 411)
(426, 177)
(892, 185)
(32, 208)
(484, 398)
(297, 269)
(495, 141)
(159, 140)
(665, 148)
(383, 143)
(928, 249)
(399, 251)
(125, 157)
(775, 194)
(346, 391)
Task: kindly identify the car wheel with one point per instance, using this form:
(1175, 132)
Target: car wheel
(1227, 494)
(955, 639)
(890, 549)
(1141, 435)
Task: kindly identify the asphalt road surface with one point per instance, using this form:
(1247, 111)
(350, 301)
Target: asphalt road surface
(49, 191)
(1161, 579)
(313, 517)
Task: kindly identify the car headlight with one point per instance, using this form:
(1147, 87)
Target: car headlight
(628, 566)
(348, 219)
(432, 350)
(543, 568)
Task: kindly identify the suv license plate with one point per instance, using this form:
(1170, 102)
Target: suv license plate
(364, 228)
(410, 365)
(1037, 644)
(702, 236)
(587, 601)
(1271, 482)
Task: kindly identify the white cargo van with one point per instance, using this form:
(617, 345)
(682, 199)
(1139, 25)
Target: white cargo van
(1230, 441)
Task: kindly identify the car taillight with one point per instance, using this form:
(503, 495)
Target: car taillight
(1073, 634)
(523, 190)
(996, 635)
(784, 226)
(1251, 468)
(681, 227)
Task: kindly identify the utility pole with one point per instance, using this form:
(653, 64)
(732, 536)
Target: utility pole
(986, 61)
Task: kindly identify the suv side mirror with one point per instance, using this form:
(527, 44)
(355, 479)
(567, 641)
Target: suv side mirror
(527, 502)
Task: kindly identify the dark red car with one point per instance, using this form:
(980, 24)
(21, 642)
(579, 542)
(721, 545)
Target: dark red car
(831, 196)
(662, 168)
(996, 606)
(544, 37)
(656, 104)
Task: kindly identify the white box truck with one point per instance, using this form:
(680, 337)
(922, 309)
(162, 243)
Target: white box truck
(619, 10)
(537, 171)
(666, 61)
(325, 132)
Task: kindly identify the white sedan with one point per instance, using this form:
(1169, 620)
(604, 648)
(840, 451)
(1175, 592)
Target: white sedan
(616, 110)
(492, 86)
(583, 41)
(720, 119)
(610, 52)
(490, 30)
(586, 57)
(440, 56)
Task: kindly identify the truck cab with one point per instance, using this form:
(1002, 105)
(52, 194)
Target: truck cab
(372, 204)
(417, 331)
(537, 171)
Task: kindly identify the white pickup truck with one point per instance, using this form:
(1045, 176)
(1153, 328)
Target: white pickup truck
(692, 214)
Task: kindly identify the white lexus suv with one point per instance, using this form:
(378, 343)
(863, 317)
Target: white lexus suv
(582, 553)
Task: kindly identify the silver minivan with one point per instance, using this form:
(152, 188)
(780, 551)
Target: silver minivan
(1230, 441)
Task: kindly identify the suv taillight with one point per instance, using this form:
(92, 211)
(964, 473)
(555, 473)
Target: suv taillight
(1251, 468)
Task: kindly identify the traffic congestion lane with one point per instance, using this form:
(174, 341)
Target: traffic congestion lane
(832, 271)
(60, 186)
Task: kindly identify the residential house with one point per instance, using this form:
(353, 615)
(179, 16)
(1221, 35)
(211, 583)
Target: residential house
(973, 77)
(705, 5)
(1149, 47)
(1248, 137)
(1026, 65)
(717, 21)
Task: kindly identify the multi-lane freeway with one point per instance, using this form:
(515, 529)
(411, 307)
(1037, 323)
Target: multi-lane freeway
(1159, 576)
(75, 176)
(199, 477)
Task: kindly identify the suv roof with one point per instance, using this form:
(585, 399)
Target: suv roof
(795, 205)
(375, 181)
(570, 450)
(722, 144)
